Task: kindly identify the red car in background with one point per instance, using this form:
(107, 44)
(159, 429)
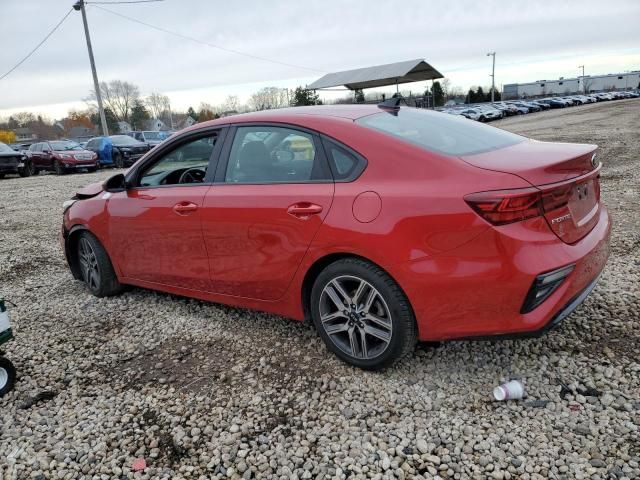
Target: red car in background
(61, 156)
(384, 225)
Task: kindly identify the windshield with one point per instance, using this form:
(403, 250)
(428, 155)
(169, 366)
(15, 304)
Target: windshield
(64, 145)
(434, 131)
(156, 135)
(4, 148)
(123, 140)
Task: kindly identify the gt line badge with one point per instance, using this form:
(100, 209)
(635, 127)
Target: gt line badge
(561, 219)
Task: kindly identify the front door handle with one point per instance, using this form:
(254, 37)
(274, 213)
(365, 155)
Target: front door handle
(185, 208)
(304, 210)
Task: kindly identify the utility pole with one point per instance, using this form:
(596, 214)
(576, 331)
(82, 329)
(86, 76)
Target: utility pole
(493, 75)
(584, 85)
(96, 85)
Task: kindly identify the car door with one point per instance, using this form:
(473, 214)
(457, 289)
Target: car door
(272, 192)
(35, 152)
(47, 155)
(155, 225)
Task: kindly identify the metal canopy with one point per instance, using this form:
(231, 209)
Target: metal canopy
(379, 75)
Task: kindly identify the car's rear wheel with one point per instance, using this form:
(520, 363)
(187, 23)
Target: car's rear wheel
(7, 376)
(58, 168)
(362, 314)
(95, 266)
(27, 170)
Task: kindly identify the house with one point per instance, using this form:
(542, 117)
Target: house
(80, 134)
(183, 121)
(25, 135)
(155, 125)
(124, 127)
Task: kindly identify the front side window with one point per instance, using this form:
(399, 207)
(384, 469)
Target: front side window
(439, 132)
(269, 154)
(185, 164)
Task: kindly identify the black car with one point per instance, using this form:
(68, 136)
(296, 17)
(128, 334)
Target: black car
(14, 162)
(124, 151)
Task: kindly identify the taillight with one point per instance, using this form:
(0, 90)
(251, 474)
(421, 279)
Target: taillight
(506, 206)
(500, 207)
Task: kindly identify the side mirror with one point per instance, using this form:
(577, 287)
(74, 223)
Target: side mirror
(115, 184)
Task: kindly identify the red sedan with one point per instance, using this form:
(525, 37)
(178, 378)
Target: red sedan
(384, 225)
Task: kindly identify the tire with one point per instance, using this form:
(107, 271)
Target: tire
(369, 337)
(482, 119)
(95, 266)
(1, 176)
(92, 169)
(28, 169)
(117, 159)
(59, 169)
(7, 376)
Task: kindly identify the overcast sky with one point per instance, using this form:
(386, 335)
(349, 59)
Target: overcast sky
(539, 39)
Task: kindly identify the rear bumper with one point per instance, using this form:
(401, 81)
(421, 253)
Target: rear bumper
(478, 289)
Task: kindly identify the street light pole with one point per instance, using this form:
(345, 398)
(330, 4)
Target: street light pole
(96, 85)
(493, 75)
(584, 85)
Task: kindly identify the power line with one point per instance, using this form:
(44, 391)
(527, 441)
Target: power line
(37, 46)
(202, 42)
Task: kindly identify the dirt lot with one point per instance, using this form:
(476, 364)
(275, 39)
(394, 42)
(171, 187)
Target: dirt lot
(201, 390)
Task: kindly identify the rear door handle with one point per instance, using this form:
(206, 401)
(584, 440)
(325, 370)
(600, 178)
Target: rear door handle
(185, 208)
(304, 210)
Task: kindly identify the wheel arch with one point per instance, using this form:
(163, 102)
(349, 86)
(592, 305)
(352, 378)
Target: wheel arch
(321, 263)
(71, 239)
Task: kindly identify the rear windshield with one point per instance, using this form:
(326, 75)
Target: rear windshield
(440, 132)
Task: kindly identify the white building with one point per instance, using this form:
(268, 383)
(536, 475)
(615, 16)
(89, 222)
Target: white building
(565, 86)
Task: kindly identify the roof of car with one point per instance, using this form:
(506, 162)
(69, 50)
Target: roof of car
(349, 112)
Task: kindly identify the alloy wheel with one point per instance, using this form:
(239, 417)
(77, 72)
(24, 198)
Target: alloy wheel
(88, 264)
(4, 378)
(356, 317)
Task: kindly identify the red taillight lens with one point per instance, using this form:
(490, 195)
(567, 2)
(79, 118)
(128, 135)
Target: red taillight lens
(506, 206)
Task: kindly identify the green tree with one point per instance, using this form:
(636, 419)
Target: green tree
(358, 94)
(471, 96)
(302, 96)
(192, 113)
(496, 95)
(112, 121)
(438, 94)
(139, 115)
(480, 97)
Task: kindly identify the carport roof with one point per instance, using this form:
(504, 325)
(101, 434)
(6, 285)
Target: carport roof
(379, 75)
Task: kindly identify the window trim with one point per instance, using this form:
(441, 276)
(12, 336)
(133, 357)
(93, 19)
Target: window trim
(133, 176)
(225, 155)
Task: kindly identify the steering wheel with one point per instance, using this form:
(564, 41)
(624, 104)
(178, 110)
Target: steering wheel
(193, 175)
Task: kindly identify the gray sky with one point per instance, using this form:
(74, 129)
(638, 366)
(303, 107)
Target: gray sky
(534, 40)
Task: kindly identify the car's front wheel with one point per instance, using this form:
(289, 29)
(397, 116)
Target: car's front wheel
(27, 170)
(118, 160)
(58, 168)
(95, 266)
(362, 314)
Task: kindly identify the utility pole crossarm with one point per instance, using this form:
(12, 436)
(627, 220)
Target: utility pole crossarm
(80, 5)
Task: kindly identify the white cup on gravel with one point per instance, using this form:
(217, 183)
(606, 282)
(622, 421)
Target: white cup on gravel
(513, 390)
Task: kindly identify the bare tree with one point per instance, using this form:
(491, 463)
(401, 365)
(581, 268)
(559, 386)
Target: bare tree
(231, 104)
(158, 105)
(23, 119)
(269, 98)
(117, 96)
(446, 87)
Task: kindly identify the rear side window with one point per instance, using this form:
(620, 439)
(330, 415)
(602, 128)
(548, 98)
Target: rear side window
(346, 165)
(439, 132)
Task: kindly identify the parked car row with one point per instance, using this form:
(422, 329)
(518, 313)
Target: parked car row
(486, 112)
(63, 156)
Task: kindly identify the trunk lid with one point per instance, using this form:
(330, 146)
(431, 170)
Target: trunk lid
(566, 174)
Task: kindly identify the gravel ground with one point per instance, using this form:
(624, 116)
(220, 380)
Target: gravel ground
(205, 391)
